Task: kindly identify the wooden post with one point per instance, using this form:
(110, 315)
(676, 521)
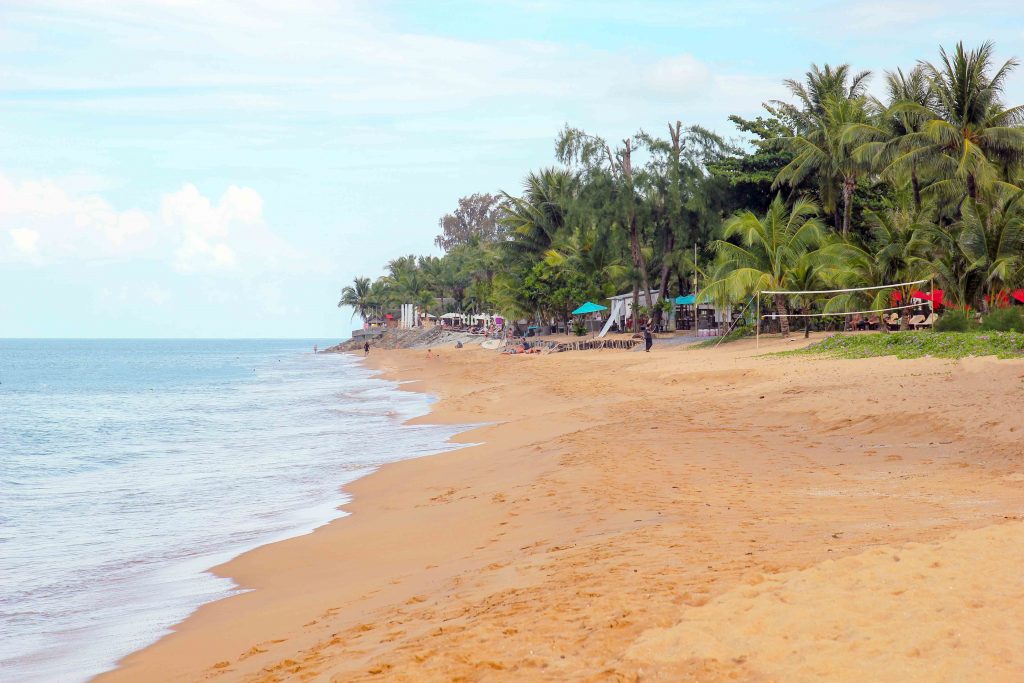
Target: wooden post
(757, 323)
(931, 303)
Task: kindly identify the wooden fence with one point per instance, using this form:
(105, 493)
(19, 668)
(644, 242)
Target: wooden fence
(590, 344)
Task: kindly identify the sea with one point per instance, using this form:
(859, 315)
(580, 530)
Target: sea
(128, 468)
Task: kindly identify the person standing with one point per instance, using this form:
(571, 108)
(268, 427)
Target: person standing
(366, 348)
(648, 339)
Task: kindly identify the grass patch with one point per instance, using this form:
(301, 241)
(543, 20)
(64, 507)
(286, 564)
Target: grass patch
(918, 345)
(741, 332)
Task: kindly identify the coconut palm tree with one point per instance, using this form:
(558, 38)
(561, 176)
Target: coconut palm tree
(975, 140)
(818, 88)
(586, 251)
(823, 152)
(535, 219)
(768, 253)
(883, 141)
(357, 296)
(991, 236)
(890, 254)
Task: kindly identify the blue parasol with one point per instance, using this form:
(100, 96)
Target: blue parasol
(589, 308)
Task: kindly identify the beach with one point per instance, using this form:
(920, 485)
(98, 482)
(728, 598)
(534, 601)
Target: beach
(688, 514)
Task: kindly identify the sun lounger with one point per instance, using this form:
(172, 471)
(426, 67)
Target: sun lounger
(927, 322)
(916, 320)
(893, 320)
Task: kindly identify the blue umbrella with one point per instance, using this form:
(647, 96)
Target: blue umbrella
(589, 308)
(687, 300)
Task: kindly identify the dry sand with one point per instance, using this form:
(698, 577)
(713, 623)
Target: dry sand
(674, 516)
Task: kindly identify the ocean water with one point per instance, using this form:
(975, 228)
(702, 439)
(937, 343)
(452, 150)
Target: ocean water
(129, 468)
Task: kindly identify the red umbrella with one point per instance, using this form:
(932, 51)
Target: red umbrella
(1002, 299)
(896, 297)
(937, 296)
(1018, 294)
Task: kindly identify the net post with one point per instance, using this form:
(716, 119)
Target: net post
(931, 302)
(757, 323)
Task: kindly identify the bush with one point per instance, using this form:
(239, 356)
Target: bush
(1004, 320)
(918, 345)
(954, 321)
(579, 329)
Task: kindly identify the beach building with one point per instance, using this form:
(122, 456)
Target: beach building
(620, 310)
(686, 314)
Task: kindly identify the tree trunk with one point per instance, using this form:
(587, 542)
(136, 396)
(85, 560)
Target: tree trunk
(848, 187)
(635, 324)
(807, 323)
(626, 165)
(915, 183)
(905, 320)
(640, 262)
(669, 245)
(780, 308)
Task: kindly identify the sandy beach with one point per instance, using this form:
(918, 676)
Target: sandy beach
(704, 515)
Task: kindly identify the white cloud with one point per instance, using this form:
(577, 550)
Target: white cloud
(675, 76)
(25, 240)
(48, 223)
(229, 234)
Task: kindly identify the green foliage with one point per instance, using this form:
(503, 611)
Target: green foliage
(919, 344)
(833, 189)
(1009, 319)
(955, 321)
(579, 329)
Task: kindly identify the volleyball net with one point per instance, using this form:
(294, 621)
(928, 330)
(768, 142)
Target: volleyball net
(831, 294)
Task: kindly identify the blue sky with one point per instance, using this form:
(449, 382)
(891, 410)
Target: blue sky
(198, 168)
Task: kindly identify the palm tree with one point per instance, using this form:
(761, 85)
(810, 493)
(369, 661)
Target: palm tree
(586, 251)
(976, 140)
(768, 255)
(828, 101)
(823, 152)
(819, 87)
(535, 219)
(992, 238)
(885, 140)
(357, 296)
(891, 254)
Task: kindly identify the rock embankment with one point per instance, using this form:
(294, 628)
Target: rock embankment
(418, 338)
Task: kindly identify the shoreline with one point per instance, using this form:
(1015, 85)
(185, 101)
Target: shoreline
(245, 574)
(559, 546)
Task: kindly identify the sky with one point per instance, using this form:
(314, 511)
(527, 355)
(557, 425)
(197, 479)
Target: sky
(221, 168)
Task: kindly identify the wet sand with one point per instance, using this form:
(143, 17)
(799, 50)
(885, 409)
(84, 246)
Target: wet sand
(679, 515)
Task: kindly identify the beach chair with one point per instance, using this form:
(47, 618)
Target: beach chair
(892, 321)
(874, 322)
(916, 320)
(927, 322)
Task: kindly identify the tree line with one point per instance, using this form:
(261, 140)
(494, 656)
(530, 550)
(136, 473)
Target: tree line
(833, 188)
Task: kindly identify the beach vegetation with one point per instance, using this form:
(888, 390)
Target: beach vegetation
(831, 188)
(956, 321)
(1008, 319)
(919, 345)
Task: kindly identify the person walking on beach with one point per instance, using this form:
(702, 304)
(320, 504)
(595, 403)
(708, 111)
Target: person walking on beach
(648, 340)
(314, 349)
(366, 348)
